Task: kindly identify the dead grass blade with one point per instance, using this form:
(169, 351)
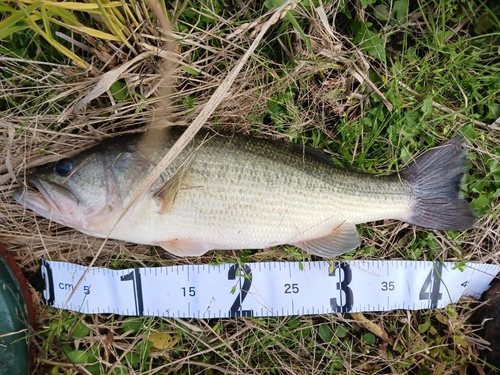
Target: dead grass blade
(107, 79)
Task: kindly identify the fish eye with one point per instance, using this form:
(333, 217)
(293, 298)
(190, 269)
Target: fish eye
(64, 167)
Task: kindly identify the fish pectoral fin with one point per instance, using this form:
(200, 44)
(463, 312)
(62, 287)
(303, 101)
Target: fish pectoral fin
(168, 192)
(341, 240)
(184, 247)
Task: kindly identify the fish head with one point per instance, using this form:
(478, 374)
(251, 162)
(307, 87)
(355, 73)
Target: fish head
(84, 192)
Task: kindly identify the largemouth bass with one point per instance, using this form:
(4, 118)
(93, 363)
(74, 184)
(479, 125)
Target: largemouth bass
(238, 192)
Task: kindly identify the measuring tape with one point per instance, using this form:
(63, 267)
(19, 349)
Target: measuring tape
(263, 289)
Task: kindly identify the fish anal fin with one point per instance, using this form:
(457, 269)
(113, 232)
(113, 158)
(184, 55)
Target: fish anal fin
(340, 240)
(168, 192)
(184, 247)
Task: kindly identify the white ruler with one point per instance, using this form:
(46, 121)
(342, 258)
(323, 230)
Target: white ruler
(264, 289)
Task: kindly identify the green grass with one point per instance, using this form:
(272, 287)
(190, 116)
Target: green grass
(436, 62)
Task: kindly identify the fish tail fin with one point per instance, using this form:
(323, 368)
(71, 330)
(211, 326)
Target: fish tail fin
(436, 178)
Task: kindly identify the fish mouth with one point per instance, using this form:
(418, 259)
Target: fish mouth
(49, 199)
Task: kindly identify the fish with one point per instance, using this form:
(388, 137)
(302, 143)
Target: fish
(231, 192)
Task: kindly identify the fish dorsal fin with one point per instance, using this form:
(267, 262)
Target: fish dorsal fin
(184, 247)
(168, 192)
(341, 240)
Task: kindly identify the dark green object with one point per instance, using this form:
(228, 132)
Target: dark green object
(14, 321)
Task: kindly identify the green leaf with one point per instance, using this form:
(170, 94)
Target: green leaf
(289, 16)
(81, 330)
(400, 10)
(133, 325)
(119, 91)
(375, 47)
(481, 204)
(133, 359)
(120, 371)
(77, 356)
(368, 41)
(422, 328)
(271, 4)
(94, 369)
(4, 33)
(369, 338)
(427, 106)
(460, 265)
(294, 323)
(325, 333)
(341, 332)
(381, 12)
(365, 3)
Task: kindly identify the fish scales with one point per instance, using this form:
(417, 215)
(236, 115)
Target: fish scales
(250, 201)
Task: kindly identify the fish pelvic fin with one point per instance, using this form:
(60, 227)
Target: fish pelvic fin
(184, 247)
(436, 178)
(341, 240)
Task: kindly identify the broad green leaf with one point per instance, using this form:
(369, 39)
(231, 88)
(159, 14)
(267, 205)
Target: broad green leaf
(77, 356)
(422, 328)
(133, 358)
(119, 91)
(427, 106)
(400, 10)
(365, 3)
(368, 41)
(381, 12)
(81, 330)
(325, 333)
(375, 47)
(341, 332)
(369, 338)
(132, 324)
